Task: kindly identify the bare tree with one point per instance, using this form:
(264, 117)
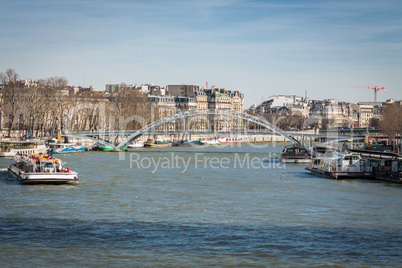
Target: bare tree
(57, 82)
(10, 95)
(86, 111)
(61, 103)
(292, 121)
(273, 118)
(325, 122)
(44, 114)
(127, 104)
(391, 121)
(32, 108)
(374, 122)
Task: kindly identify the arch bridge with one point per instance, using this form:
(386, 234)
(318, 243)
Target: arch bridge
(219, 121)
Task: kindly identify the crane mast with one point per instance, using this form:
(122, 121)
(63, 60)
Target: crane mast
(376, 89)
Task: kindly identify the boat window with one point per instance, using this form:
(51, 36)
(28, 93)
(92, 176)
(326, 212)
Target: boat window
(324, 165)
(48, 164)
(16, 145)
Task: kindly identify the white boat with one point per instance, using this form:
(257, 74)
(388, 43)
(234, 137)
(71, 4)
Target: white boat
(340, 166)
(234, 140)
(136, 144)
(210, 142)
(12, 148)
(41, 168)
(57, 148)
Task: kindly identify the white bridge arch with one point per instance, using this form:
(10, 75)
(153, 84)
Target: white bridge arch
(200, 112)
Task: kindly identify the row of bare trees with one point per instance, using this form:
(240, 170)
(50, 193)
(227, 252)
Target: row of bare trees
(40, 108)
(48, 107)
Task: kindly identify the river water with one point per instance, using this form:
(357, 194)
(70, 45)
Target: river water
(228, 206)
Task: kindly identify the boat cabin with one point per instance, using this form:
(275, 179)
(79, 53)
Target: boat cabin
(295, 150)
(323, 150)
(11, 148)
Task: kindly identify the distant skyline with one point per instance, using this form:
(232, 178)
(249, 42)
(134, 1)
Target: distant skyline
(261, 48)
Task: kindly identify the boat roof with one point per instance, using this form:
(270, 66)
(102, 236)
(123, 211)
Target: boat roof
(342, 154)
(298, 145)
(377, 154)
(26, 141)
(62, 143)
(323, 145)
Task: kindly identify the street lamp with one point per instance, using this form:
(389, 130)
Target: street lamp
(367, 126)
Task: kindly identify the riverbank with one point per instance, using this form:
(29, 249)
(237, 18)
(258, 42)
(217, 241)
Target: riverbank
(251, 138)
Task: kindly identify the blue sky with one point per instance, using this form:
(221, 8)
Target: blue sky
(261, 48)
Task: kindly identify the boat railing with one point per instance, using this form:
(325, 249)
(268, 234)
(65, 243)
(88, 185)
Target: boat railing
(358, 166)
(24, 158)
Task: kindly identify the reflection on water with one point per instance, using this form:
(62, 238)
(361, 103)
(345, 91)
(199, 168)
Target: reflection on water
(208, 215)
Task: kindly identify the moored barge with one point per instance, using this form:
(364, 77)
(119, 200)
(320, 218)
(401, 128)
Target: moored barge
(340, 166)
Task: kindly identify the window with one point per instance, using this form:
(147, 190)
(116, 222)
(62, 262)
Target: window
(48, 164)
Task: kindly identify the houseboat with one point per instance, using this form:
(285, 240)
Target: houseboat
(57, 148)
(340, 166)
(41, 168)
(12, 148)
(152, 143)
(386, 165)
(295, 153)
